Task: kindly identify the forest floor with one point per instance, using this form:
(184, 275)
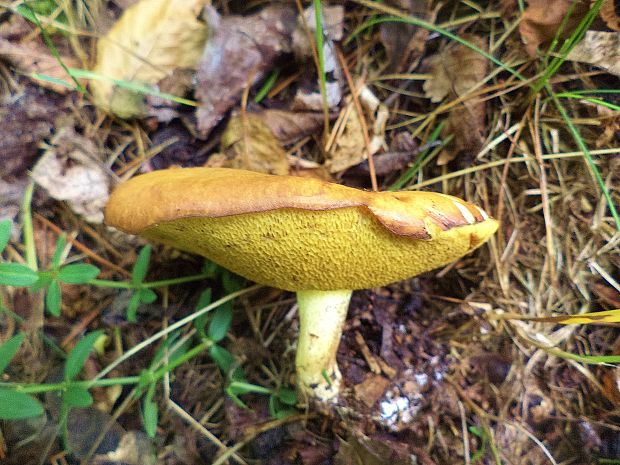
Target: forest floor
(506, 356)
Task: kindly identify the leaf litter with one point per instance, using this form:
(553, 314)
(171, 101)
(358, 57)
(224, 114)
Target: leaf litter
(455, 72)
(470, 367)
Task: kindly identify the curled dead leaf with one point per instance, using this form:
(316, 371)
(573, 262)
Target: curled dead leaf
(599, 48)
(151, 40)
(69, 171)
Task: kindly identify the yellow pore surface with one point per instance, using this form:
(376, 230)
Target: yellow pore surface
(342, 248)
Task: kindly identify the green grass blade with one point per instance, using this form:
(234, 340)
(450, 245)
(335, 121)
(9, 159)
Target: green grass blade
(431, 27)
(568, 45)
(267, 86)
(582, 146)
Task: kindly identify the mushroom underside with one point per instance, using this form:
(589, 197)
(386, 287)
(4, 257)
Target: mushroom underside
(344, 248)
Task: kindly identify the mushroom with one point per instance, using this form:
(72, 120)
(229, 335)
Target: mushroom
(318, 239)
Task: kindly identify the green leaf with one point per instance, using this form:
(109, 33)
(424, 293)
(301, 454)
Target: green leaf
(5, 233)
(78, 273)
(220, 322)
(204, 299)
(210, 268)
(281, 414)
(53, 298)
(141, 266)
(160, 352)
(278, 409)
(16, 274)
(201, 321)
(147, 296)
(141, 296)
(232, 282)
(149, 416)
(132, 307)
(15, 405)
(227, 363)
(149, 413)
(45, 279)
(145, 379)
(60, 247)
(239, 388)
(39, 7)
(235, 399)
(77, 357)
(287, 396)
(9, 349)
(76, 396)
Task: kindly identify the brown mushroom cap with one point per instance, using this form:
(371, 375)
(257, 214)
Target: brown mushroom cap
(298, 233)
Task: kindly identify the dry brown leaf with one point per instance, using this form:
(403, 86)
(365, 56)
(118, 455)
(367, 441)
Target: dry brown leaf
(25, 49)
(375, 450)
(371, 389)
(607, 294)
(542, 19)
(35, 57)
(347, 145)
(26, 121)
(404, 44)
(611, 385)
(508, 7)
(249, 144)
(291, 126)
(599, 48)
(348, 149)
(239, 52)
(610, 122)
(455, 71)
(610, 15)
(151, 40)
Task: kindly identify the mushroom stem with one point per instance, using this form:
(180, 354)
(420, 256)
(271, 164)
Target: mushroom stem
(321, 317)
